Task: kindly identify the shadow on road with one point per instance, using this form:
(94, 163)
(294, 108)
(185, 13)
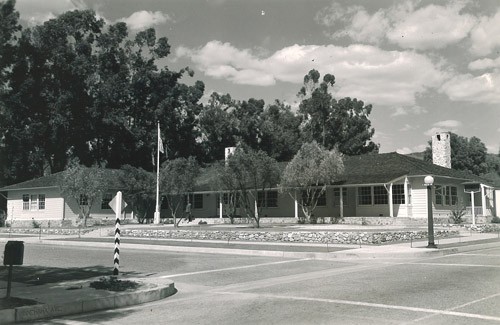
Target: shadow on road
(39, 275)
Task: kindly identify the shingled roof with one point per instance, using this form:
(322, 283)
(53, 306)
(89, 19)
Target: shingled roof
(383, 168)
(364, 169)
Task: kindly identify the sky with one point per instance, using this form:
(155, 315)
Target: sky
(424, 66)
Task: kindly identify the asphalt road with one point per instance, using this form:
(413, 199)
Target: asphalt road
(227, 289)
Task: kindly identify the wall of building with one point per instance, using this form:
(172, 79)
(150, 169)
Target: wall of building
(54, 205)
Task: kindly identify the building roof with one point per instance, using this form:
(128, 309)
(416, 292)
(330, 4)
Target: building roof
(363, 169)
(383, 168)
(52, 181)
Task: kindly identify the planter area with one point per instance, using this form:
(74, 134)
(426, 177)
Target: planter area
(331, 237)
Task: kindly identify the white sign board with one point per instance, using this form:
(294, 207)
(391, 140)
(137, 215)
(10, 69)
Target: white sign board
(112, 204)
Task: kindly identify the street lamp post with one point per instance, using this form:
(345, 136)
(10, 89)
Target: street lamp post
(428, 182)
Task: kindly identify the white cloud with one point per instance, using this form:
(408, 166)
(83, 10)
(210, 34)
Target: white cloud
(476, 89)
(428, 27)
(404, 151)
(407, 127)
(362, 71)
(443, 126)
(484, 64)
(36, 12)
(432, 27)
(484, 36)
(416, 110)
(145, 19)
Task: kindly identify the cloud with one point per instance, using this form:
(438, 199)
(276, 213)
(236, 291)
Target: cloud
(484, 64)
(432, 27)
(484, 36)
(36, 12)
(362, 71)
(406, 150)
(407, 127)
(443, 126)
(475, 89)
(416, 109)
(145, 19)
(428, 27)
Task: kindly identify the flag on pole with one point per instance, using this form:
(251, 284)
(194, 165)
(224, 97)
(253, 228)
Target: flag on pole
(160, 142)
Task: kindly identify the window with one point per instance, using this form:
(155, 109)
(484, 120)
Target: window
(198, 201)
(438, 194)
(41, 201)
(446, 195)
(336, 196)
(106, 198)
(33, 202)
(380, 195)
(229, 198)
(365, 195)
(398, 194)
(267, 199)
(26, 202)
(321, 198)
(83, 199)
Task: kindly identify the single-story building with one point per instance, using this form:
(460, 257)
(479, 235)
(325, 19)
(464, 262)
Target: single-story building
(387, 185)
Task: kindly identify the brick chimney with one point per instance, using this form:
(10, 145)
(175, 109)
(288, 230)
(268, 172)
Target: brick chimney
(441, 149)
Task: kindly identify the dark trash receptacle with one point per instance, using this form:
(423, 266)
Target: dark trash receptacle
(13, 253)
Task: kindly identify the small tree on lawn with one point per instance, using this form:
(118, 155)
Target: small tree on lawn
(307, 175)
(85, 186)
(139, 191)
(177, 179)
(245, 174)
(224, 182)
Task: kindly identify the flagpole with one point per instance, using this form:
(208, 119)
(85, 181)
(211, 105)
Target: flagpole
(157, 211)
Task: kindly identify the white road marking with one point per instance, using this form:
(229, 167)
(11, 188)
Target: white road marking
(456, 307)
(454, 264)
(233, 268)
(374, 305)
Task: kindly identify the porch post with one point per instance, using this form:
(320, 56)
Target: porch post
(220, 205)
(391, 204)
(296, 204)
(483, 201)
(341, 202)
(256, 208)
(406, 197)
(473, 208)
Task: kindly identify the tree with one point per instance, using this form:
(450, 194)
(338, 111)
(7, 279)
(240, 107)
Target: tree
(78, 87)
(309, 173)
(218, 127)
(177, 180)
(9, 26)
(342, 124)
(280, 132)
(467, 154)
(85, 186)
(139, 191)
(247, 173)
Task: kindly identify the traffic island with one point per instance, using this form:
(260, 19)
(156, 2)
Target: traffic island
(75, 297)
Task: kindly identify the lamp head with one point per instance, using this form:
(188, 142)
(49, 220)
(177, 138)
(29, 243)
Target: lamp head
(428, 180)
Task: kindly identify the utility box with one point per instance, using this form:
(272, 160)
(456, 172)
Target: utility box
(14, 253)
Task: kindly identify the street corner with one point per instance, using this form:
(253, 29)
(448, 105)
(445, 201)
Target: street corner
(76, 297)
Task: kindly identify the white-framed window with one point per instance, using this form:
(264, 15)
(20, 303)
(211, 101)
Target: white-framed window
(398, 194)
(83, 200)
(229, 198)
(336, 196)
(445, 195)
(106, 198)
(196, 200)
(380, 195)
(365, 195)
(33, 202)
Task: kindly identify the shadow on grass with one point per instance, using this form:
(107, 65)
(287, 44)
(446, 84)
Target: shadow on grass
(39, 275)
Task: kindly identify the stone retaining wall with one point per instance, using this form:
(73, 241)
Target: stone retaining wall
(46, 231)
(331, 237)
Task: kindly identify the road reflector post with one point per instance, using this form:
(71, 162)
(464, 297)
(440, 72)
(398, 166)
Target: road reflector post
(117, 204)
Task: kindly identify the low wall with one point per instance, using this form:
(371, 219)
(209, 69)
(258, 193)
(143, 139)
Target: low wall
(331, 237)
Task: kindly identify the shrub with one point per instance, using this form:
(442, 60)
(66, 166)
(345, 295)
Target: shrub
(456, 215)
(336, 219)
(495, 219)
(113, 284)
(35, 224)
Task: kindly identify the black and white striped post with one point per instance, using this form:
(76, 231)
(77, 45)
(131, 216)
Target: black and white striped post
(118, 213)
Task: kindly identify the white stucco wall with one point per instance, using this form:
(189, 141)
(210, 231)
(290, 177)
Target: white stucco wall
(54, 205)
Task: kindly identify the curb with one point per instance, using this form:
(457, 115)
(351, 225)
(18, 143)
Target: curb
(51, 310)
